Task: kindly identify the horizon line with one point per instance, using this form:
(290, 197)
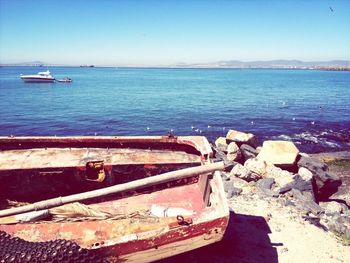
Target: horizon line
(170, 65)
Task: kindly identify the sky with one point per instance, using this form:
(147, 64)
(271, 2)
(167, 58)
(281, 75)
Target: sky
(165, 32)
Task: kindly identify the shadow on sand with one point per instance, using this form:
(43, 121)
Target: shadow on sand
(246, 240)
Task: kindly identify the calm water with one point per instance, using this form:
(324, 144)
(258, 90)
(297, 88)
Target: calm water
(309, 107)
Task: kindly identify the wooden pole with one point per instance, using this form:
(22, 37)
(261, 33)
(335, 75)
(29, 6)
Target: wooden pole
(141, 183)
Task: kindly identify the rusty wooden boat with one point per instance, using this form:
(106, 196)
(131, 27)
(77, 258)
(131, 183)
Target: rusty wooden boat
(155, 213)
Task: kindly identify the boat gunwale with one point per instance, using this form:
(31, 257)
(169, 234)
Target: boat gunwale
(199, 143)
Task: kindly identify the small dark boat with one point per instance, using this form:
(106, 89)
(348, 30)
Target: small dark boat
(169, 198)
(65, 80)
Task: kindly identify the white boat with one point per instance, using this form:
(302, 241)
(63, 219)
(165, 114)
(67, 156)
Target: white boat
(44, 76)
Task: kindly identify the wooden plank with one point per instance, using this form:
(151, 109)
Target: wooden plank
(74, 157)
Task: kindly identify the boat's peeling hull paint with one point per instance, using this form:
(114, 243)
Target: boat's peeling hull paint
(121, 241)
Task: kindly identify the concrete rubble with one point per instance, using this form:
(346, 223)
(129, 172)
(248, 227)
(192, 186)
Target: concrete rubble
(278, 170)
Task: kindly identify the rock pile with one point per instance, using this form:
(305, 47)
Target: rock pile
(278, 170)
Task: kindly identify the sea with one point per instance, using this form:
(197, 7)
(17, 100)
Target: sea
(309, 107)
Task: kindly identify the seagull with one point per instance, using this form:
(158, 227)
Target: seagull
(196, 130)
(252, 122)
(331, 9)
(313, 122)
(293, 119)
(148, 128)
(192, 127)
(209, 126)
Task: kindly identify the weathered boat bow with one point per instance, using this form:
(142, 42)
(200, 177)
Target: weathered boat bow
(135, 224)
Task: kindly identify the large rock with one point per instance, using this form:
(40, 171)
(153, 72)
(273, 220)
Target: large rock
(304, 186)
(221, 144)
(229, 165)
(305, 174)
(339, 225)
(241, 184)
(305, 182)
(326, 183)
(230, 189)
(304, 203)
(333, 207)
(248, 151)
(220, 155)
(279, 153)
(256, 166)
(242, 172)
(312, 164)
(284, 180)
(265, 183)
(233, 152)
(241, 138)
(234, 191)
(233, 187)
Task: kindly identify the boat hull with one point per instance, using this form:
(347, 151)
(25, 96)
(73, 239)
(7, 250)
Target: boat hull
(64, 81)
(129, 239)
(113, 240)
(38, 80)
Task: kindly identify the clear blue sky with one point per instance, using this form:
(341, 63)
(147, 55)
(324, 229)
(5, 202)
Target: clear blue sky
(165, 32)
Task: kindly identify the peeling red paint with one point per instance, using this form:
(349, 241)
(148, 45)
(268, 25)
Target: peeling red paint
(125, 237)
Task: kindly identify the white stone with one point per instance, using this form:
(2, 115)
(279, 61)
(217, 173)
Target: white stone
(221, 141)
(305, 174)
(282, 177)
(233, 152)
(280, 153)
(332, 207)
(239, 171)
(241, 137)
(256, 166)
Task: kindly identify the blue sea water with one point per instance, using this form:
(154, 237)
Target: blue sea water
(308, 107)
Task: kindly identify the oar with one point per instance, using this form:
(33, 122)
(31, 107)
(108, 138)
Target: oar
(141, 183)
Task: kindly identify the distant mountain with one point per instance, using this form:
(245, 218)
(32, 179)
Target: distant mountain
(28, 64)
(280, 63)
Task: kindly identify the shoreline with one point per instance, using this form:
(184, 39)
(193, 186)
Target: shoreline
(189, 67)
(329, 156)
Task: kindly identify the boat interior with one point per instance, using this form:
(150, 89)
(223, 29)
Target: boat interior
(32, 171)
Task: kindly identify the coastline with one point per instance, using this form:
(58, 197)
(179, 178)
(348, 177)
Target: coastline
(331, 156)
(181, 67)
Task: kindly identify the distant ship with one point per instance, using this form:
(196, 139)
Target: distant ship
(41, 77)
(87, 66)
